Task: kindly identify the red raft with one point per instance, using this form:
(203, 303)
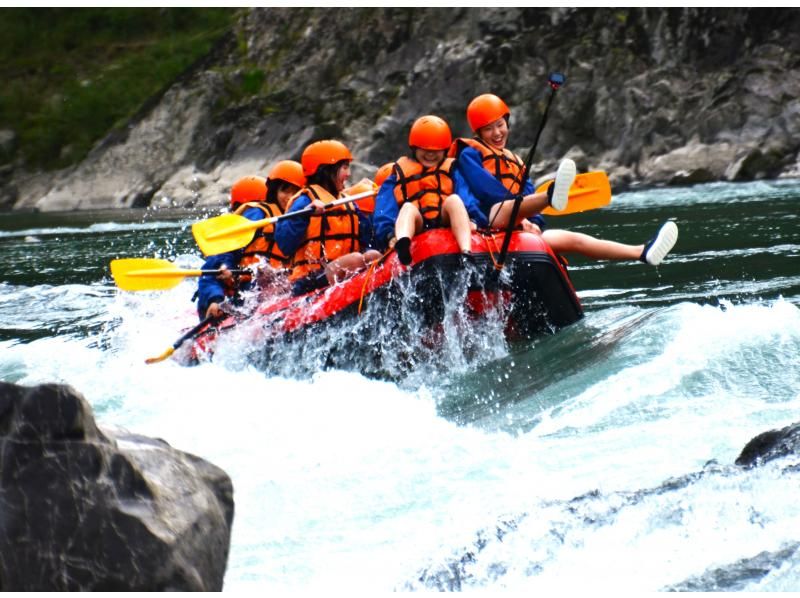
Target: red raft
(533, 293)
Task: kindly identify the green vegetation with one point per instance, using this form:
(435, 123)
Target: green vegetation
(70, 75)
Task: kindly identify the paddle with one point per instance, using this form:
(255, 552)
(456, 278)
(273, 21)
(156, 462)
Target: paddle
(555, 80)
(152, 274)
(231, 231)
(589, 191)
(190, 334)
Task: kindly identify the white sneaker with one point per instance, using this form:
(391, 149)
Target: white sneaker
(659, 246)
(565, 175)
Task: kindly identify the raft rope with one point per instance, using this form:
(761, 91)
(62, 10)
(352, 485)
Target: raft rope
(491, 238)
(368, 277)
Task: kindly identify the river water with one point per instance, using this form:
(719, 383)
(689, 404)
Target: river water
(536, 466)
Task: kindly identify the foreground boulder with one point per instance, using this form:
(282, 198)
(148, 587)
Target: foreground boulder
(90, 510)
(771, 445)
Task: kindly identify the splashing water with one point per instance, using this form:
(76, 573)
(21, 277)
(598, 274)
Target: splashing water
(598, 459)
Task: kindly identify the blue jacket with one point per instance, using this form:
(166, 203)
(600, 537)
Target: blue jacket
(485, 186)
(209, 289)
(387, 208)
(291, 232)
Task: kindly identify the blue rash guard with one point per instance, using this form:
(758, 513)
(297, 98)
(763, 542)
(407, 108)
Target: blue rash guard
(291, 232)
(387, 208)
(209, 289)
(488, 189)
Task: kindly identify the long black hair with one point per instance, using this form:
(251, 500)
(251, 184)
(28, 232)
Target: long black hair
(275, 185)
(325, 176)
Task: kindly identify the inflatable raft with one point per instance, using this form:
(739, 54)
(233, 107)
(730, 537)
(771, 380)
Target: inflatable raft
(532, 293)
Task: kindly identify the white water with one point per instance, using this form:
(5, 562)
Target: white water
(348, 484)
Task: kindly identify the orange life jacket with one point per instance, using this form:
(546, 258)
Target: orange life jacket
(329, 235)
(366, 205)
(427, 189)
(505, 165)
(263, 244)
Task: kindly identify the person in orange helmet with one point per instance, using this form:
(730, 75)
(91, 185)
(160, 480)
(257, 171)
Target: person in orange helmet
(383, 173)
(255, 198)
(493, 172)
(247, 189)
(424, 192)
(329, 244)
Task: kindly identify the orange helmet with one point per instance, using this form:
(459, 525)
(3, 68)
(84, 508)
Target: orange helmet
(430, 133)
(289, 171)
(328, 151)
(485, 109)
(249, 188)
(383, 173)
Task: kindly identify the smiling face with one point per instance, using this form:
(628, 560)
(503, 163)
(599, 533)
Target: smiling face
(342, 175)
(429, 158)
(285, 192)
(495, 133)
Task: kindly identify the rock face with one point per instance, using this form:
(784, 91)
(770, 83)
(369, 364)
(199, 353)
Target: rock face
(771, 445)
(91, 510)
(653, 96)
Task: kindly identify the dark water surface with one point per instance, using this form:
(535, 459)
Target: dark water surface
(564, 442)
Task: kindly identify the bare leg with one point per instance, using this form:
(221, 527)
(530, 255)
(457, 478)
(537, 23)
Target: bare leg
(500, 214)
(347, 265)
(455, 215)
(557, 196)
(564, 241)
(409, 222)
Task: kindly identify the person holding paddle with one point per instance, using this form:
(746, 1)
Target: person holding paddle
(424, 192)
(255, 199)
(332, 241)
(493, 173)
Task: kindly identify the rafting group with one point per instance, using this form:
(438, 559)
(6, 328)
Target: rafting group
(321, 231)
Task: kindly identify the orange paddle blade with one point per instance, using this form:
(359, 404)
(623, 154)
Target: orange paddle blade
(589, 191)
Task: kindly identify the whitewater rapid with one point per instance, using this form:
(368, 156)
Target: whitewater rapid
(345, 482)
(598, 459)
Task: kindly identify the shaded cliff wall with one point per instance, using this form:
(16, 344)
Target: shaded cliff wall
(654, 96)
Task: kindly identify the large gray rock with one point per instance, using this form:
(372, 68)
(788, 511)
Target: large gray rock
(91, 510)
(129, 167)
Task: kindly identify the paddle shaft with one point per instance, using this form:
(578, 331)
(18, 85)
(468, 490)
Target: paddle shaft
(501, 259)
(256, 224)
(154, 273)
(190, 334)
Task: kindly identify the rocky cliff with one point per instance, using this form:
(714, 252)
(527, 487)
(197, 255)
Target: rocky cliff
(653, 96)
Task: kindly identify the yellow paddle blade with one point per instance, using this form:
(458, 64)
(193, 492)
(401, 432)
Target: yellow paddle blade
(225, 233)
(165, 355)
(589, 191)
(148, 274)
